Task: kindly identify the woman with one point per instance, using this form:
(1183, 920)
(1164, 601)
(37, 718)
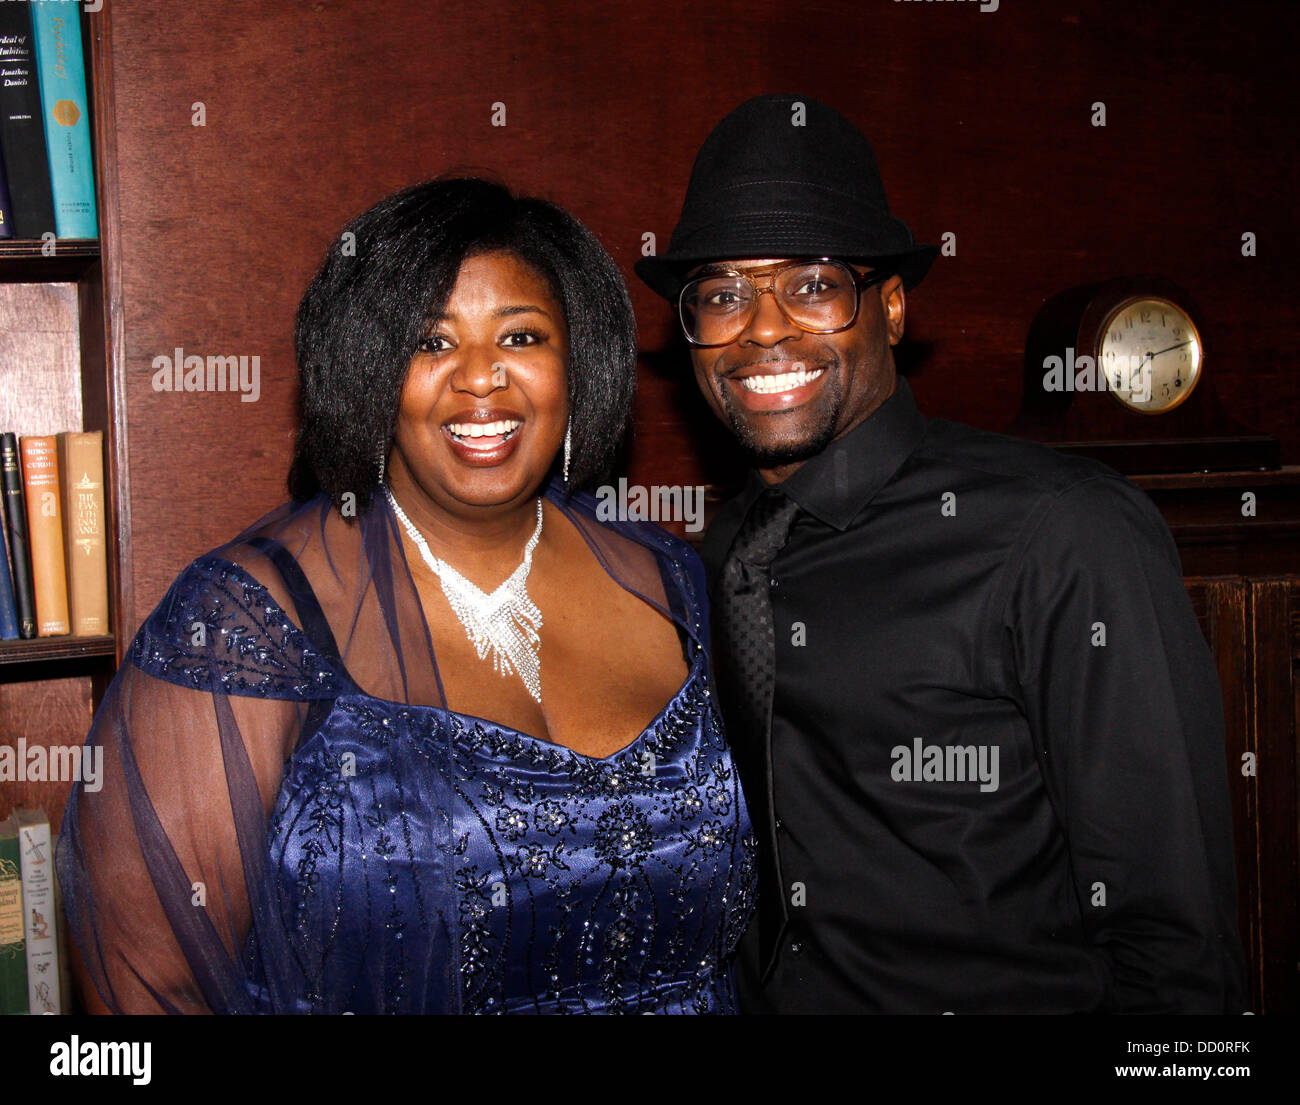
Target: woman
(430, 738)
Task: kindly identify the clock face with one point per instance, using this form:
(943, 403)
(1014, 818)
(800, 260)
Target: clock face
(1150, 354)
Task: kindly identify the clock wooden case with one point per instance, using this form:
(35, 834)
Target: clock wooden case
(1144, 400)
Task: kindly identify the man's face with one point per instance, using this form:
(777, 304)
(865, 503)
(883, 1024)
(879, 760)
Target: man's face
(833, 381)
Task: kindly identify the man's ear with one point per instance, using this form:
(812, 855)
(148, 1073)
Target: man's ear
(894, 302)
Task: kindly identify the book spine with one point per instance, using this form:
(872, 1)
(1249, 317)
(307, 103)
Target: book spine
(6, 207)
(81, 468)
(40, 921)
(20, 551)
(13, 950)
(8, 612)
(56, 29)
(22, 129)
(45, 529)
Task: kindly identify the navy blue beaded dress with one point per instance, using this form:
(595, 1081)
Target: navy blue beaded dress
(270, 837)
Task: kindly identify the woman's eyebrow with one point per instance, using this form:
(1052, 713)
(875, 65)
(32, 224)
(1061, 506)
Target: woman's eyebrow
(500, 312)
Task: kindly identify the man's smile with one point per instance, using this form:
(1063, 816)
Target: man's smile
(776, 386)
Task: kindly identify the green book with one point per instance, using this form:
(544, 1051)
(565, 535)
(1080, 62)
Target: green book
(13, 947)
(40, 915)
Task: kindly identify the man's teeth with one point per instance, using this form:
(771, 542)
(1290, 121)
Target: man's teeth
(461, 430)
(786, 381)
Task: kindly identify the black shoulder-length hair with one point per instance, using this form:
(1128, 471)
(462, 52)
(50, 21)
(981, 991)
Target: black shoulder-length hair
(390, 270)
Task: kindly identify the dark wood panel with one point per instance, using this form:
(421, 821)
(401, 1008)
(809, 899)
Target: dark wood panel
(1277, 700)
(1223, 607)
(981, 123)
(44, 705)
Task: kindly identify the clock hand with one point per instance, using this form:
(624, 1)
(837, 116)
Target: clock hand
(1172, 347)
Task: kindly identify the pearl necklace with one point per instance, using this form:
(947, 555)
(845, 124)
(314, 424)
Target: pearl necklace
(505, 622)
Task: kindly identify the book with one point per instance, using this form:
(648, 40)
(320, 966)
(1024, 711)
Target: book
(8, 611)
(81, 470)
(22, 128)
(13, 942)
(61, 72)
(40, 917)
(20, 553)
(6, 208)
(40, 461)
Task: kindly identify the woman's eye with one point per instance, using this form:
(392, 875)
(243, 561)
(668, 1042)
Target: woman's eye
(517, 339)
(434, 343)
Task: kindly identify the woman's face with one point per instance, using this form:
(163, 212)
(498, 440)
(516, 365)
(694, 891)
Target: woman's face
(485, 403)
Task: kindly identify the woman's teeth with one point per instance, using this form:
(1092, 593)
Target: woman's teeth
(786, 381)
(462, 430)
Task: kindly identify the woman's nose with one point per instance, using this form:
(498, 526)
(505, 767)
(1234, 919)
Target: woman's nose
(480, 372)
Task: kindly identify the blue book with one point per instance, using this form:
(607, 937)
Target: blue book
(8, 612)
(61, 73)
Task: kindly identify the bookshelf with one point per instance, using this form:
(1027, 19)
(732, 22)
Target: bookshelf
(61, 368)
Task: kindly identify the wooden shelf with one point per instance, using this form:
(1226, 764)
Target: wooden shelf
(55, 648)
(1285, 476)
(23, 260)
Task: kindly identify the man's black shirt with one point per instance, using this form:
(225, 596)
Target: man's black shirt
(998, 756)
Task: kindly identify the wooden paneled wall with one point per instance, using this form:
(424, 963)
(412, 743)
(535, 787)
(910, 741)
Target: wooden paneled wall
(982, 122)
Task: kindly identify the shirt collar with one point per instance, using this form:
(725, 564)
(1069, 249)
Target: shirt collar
(838, 482)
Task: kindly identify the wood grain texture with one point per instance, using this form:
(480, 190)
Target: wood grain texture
(1275, 682)
(1224, 609)
(47, 705)
(981, 122)
(40, 359)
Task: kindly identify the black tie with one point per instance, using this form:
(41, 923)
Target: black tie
(745, 658)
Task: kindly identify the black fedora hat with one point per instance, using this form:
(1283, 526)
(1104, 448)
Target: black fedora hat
(786, 176)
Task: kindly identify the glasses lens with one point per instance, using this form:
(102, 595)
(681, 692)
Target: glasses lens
(715, 309)
(819, 295)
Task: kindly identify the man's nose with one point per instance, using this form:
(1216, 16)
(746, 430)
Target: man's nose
(769, 325)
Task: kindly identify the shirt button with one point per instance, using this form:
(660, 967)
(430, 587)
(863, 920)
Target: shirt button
(780, 825)
(795, 947)
(774, 583)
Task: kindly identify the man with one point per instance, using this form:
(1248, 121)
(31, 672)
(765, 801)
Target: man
(978, 727)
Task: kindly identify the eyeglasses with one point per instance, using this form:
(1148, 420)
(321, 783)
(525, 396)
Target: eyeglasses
(820, 297)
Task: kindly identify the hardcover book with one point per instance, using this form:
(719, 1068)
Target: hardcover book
(81, 469)
(8, 611)
(20, 556)
(6, 208)
(40, 915)
(40, 461)
(13, 945)
(22, 131)
(56, 29)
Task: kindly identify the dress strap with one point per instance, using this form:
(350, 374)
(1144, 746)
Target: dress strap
(313, 621)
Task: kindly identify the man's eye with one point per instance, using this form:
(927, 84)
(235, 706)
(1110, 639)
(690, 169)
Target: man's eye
(814, 287)
(724, 298)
